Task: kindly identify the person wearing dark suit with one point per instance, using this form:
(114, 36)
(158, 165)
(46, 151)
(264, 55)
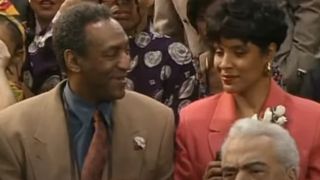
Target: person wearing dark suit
(88, 127)
(245, 36)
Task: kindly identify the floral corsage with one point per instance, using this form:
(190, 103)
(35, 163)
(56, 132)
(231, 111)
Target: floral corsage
(273, 115)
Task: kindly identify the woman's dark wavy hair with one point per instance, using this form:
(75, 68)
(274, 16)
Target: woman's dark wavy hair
(258, 21)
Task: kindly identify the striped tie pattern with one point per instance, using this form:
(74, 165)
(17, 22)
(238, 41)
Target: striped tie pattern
(97, 155)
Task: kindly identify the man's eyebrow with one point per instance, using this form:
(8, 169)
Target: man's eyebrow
(229, 168)
(246, 166)
(115, 46)
(255, 163)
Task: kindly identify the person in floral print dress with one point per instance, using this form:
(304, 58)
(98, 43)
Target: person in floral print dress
(41, 71)
(161, 67)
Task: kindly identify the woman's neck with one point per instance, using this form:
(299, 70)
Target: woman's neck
(141, 26)
(131, 33)
(251, 101)
(42, 23)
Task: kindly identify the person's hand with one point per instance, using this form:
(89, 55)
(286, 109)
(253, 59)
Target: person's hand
(4, 56)
(213, 171)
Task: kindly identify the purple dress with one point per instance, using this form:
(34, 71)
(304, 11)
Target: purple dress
(163, 69)
(41, 71)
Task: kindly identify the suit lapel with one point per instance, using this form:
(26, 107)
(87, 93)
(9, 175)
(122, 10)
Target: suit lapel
(221, 121)
(127, 162)
(50, 147)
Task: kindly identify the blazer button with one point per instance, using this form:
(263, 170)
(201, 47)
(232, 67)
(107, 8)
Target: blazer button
(185, 21)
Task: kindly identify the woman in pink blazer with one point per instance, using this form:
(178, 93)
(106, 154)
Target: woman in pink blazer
(245, 36)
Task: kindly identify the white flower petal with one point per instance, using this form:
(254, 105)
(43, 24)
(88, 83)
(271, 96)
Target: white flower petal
(282, 120)
(129, 84)
(133, 63)
(180, 53)
(187, 88)
(280, 110)
(152, 58)
(142, 40)
(152, 82)
(255, 117)
(165, 72)
(32, 48)
(267, 115)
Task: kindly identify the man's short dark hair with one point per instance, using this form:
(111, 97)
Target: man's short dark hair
(69, 29)
(258, 21)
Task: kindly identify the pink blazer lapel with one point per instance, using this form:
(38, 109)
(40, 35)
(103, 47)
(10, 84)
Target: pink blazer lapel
(225, 115)
(276, 96)
(221, 121)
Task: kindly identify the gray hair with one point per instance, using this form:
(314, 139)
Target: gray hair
(285, 145)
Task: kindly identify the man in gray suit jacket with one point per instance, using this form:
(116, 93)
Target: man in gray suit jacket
(52, 136)
(300, 52)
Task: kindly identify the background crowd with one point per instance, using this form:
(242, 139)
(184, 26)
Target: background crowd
(208, 63)
(161, 33)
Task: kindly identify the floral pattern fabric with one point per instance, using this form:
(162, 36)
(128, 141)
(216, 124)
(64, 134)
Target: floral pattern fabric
(41, 71)
(162, 69)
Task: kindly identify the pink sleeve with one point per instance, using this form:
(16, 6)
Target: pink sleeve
(184, 169)
(313, 171)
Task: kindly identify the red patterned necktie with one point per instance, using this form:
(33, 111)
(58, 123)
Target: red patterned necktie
(97, 155)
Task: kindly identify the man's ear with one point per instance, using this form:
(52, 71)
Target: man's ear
(292, 174)
(71, 61)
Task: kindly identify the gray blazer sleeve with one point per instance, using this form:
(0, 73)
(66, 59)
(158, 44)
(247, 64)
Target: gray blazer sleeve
(302, 47)
(167, 20)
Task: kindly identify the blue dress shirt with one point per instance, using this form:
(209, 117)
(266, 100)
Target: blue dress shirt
(80, 122)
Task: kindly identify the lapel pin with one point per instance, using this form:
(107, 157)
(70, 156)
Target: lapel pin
(139, 143)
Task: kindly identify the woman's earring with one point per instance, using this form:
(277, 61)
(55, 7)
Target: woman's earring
(268, 70)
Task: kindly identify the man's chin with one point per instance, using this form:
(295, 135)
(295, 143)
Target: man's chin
(119, 94)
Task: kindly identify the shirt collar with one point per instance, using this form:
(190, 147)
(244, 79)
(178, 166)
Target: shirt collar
(83, 109)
